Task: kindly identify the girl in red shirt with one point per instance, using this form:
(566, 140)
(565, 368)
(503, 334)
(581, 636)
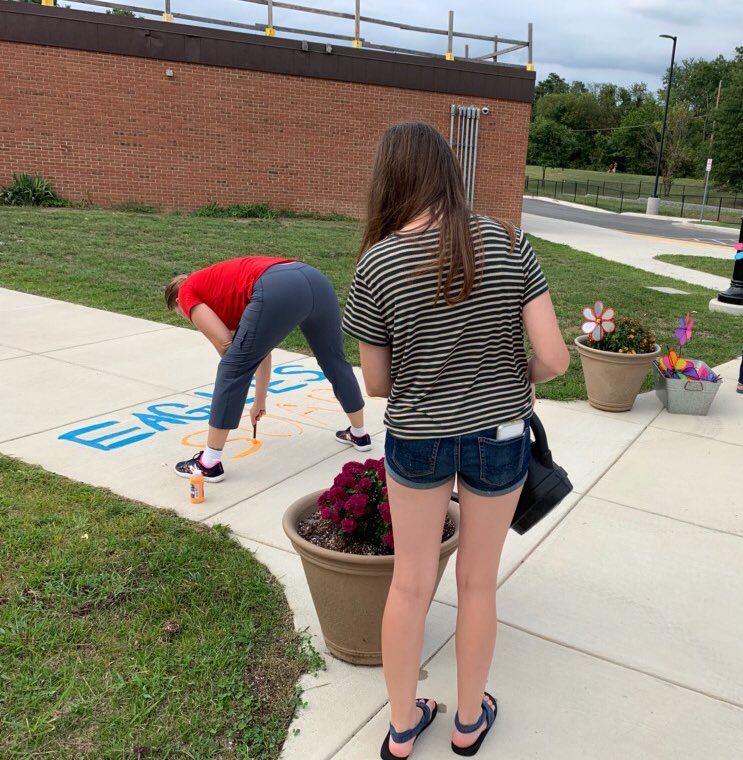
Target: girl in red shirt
(246, 307)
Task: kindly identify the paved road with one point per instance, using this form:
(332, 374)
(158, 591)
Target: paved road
(633, 224)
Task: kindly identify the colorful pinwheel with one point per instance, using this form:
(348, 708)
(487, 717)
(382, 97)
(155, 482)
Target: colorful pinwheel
(700, 371)
(599, 321)
(738, 251)
(683, 333)
(672, 365)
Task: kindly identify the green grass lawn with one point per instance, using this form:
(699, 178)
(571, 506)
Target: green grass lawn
(126, 632)
(120, 261)
(612, 180)
(720, 267)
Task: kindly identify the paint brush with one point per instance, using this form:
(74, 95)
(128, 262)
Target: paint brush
(255, 430)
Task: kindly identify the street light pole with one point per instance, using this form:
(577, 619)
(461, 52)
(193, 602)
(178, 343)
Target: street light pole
(653, 202)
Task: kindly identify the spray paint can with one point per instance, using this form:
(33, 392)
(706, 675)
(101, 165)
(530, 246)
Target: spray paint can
(196, 488)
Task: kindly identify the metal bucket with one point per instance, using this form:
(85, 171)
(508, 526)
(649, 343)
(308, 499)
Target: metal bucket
(685, 396)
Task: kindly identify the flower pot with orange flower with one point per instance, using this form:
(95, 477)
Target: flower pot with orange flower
(345, 540)
(616, 355)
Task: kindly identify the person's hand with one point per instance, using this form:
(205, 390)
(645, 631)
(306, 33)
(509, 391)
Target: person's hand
(256, 412)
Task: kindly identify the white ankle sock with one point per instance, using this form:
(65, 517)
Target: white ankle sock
(210, 457)
(358, 432)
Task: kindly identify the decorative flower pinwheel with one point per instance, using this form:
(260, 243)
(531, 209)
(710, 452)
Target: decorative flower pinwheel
(683, 333)
(599, 321)
(672, 365)
(700, 371)
(738, 251)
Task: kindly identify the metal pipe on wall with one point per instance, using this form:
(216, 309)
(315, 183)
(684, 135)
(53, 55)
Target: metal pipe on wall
(474, 160)
(468, 151)
(472, 152)
(459, 134)
(463, 139)
(452, 110)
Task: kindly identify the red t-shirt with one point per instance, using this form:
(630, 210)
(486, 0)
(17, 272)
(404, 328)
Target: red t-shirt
(226, 287)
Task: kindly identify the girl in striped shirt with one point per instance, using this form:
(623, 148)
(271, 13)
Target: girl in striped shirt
(439, 303)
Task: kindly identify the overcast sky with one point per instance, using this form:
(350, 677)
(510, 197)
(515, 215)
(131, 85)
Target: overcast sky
(591, 40)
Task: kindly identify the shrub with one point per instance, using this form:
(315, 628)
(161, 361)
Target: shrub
(28, 190)
(629, 337)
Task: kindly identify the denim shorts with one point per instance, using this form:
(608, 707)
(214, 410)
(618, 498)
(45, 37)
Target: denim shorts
(484, 465)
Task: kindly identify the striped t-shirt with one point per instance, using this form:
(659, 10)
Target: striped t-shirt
(455, 369)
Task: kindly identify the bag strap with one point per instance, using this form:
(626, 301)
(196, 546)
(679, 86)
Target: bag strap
(541, 449)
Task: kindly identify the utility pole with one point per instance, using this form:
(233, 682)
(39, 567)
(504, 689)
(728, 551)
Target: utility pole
(709, 160)
(653, 202)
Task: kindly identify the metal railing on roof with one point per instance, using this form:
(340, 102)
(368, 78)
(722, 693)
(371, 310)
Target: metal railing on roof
(167, 13)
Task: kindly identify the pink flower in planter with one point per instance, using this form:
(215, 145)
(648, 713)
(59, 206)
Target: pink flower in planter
(348, 525)
(358, 504)
(384, 512)
(344, 480)
(338, 495)
(324, 498)
(328, 513)
(599, 321)
(364, 485)
(353, 468)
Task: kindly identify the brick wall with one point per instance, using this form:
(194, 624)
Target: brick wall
(113, 128)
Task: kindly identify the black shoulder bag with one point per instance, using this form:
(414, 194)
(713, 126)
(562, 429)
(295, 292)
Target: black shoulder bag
(547, 484)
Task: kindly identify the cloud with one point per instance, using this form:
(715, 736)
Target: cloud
(687, 12)
(684, 12)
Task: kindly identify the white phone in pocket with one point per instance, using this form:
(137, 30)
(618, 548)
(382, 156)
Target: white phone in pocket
(509, 430)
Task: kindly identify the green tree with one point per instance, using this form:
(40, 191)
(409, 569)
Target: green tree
(678, 150)
(695, 81)
(583, 115)
(121, 12)
(728, 144)
(626, 145)
(550, 144)
(552, 84)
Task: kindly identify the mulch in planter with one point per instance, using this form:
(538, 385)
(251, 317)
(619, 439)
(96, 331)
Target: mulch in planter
(324, 534)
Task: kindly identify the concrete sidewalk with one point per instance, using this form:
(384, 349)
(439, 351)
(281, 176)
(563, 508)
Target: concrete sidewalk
(620, 615)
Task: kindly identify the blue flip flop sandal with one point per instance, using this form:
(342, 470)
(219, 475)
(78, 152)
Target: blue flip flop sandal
(413, 733)
(487, 716)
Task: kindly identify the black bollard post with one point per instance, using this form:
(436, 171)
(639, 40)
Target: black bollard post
(734, 294)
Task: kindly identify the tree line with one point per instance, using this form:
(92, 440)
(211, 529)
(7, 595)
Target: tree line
(606, 126)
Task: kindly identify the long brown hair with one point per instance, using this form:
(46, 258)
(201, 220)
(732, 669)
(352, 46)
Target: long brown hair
(414, 172)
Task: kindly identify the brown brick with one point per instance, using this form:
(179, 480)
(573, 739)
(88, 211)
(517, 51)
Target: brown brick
(112, 129)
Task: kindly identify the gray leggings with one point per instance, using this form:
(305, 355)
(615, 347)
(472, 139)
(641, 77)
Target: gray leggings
(284, 297)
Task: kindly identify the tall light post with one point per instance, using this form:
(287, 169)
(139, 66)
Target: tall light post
(654, 202)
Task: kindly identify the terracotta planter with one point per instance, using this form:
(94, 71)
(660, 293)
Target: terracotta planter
(350, 590)
(613, 380)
